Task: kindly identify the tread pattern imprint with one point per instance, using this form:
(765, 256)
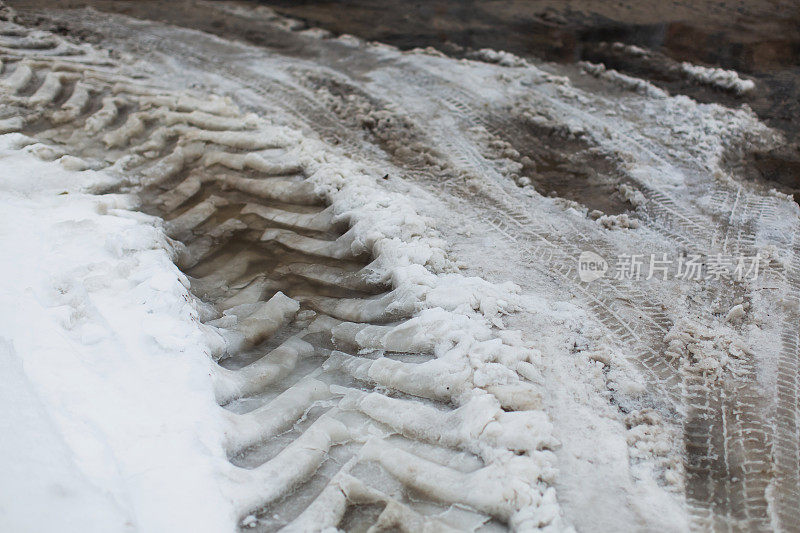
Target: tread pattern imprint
(350, 401)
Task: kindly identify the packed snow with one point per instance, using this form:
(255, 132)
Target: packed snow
(109, 421)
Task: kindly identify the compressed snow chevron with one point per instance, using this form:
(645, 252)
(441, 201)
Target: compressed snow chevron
(456, 316)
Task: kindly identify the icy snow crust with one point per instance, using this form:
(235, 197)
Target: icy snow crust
(635, 389)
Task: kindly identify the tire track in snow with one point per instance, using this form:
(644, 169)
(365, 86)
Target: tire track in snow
(727, 475)
(339, 412)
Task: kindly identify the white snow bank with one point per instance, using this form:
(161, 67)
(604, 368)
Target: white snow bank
(637, 85)
(500, 57)
(727, 80)
(108, 418)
